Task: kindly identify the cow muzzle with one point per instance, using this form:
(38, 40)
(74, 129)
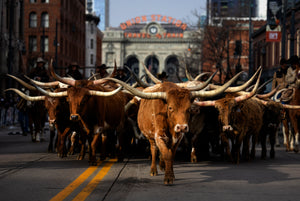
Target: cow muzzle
(227, 128)
(181, 128)
(74, 117)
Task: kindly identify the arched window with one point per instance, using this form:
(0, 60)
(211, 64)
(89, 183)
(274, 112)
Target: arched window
(32, 19)
(45, 20)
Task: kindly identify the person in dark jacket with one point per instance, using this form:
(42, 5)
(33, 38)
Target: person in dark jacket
(74, 72)
(39, 73)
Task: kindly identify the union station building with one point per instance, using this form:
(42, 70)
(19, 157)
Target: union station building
(160, 42)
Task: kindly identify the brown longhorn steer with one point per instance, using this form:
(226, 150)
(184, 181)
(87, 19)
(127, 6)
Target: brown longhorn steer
(163, 118)
(240, 118)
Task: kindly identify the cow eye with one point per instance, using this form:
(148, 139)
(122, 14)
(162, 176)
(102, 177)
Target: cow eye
(170, 108)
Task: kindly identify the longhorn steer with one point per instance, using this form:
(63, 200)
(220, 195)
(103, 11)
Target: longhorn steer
(163, 118)
(240, 118)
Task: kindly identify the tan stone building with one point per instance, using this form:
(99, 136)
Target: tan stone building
(159, 42)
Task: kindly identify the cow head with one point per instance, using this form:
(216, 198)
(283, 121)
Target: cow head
(77, 99)
(273, 114)
(226, 108)
(178, 103)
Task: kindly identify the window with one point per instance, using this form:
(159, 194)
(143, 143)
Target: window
(45, 1)
(45, 20)
(92, 59)
(92, 43)
(32, 1)
(92, 28)
(32, 19)
(44, 44)
(32, 44)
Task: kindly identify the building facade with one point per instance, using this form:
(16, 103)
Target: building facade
(91, 39)
(11, 41)
(217, 9)
(54, 29)
(160, 42)
(268, 54)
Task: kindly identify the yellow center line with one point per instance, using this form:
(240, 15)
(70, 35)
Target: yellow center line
(95, 181)
(71, 187)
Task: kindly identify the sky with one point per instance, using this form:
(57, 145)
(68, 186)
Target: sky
(123, 10)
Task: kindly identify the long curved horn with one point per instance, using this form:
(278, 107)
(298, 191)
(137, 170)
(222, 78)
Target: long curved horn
(239, 88)
(202, 85)
(103, 93)
(57, 77)
(42, 84)
(136, 92)
(267, 95)
(277, 93)
(260, 87)
(287, 106)
(293, 107)
(188, 75)
(201, 75)
(139, 81)
(252, 93)
(28, 86)
(217, 91)
(151, 76)
(113, 74)
(52, 94)
(26, 97)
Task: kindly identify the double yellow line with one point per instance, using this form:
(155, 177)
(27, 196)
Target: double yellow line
(90, 187)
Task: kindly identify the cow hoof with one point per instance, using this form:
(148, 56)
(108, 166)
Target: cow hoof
(93, 163)
(296, 150)
(153, 173)
(169, 181)
(194, 160)
(80, 158)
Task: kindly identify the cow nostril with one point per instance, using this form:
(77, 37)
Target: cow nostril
(74, 117)
(181, 128)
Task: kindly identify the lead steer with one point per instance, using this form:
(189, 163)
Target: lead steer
(163, 118)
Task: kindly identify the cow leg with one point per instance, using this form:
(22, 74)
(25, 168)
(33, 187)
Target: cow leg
(254, 140)
(263, 142)
(103, 146)
(73, 140)
(296, 130)
(285, 131)
(94, 144)
(272, 144)
(225, 143)
(82, 142)
(167, 156)
(245, 150)
(52, 135)
(62, 143)
(153, 170)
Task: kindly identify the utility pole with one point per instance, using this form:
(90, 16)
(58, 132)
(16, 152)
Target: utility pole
(292, 30)
(284, 3)
(250, 39)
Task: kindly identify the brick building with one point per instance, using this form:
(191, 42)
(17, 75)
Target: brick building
(43, 20)
(268, 54)
(226, 47)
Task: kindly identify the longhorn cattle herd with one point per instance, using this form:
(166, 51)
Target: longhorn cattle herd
(108, 116)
